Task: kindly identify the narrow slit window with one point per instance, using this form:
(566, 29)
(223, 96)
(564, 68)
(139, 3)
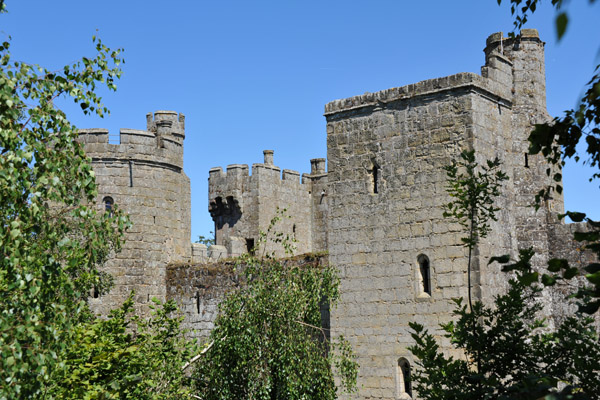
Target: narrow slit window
(130, 173)
(425, 274)
(404, 379)
(526, 161)
(375, 172)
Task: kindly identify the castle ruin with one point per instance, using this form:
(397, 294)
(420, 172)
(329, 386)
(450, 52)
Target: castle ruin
(377, 209)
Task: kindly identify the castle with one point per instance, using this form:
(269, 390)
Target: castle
(377, 209)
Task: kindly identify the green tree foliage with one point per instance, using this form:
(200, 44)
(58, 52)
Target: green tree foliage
(557, 141)
(269, 341)
(125, 357)
(517, 359)
(506, 351)
(53, 238)
(474, 189)
(207, 241)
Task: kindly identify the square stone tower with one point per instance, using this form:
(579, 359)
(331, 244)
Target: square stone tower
(400, 260)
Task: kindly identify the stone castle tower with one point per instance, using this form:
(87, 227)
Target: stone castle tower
(143, 175)
(377, 209)
(242, 205)
(400, 259)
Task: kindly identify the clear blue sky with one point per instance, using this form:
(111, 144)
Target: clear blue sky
(255, 75)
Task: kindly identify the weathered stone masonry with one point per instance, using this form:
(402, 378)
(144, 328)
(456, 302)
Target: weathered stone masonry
(377, 209)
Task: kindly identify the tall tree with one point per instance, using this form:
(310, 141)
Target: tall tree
(269, 340)
(52, 236)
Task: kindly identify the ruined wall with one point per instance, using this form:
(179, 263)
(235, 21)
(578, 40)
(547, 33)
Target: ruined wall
(143, 176)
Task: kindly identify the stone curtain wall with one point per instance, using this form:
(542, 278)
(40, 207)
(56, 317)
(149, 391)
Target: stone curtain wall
(198, 290)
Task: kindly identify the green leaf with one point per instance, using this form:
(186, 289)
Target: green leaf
(575, 216)
(529, 278)
(548, 280)
(592, 268)
(561, 25)
(556, 264)
(570, 273)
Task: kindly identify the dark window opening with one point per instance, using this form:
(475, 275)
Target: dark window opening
(425, 272)
(404, 383)
(198, 302)
(250, 246)
(130, 173)
(375, 172)
(95, 292)
(526, 161)
(294, 231)
(108, 204)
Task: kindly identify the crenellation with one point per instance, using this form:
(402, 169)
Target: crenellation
(96, 135)
(242, 205)
(237, 170)
(290, 176)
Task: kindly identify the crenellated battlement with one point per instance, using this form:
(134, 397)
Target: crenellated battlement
(166, 123)
(496, 77)
(161, 143)
(235, 172)
(242, 204)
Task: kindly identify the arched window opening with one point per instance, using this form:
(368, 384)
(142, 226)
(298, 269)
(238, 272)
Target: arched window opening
(109, 204)
(424, 274)
(404, 384)
(95, 292)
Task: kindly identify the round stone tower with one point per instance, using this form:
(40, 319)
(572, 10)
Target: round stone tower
(143, 176)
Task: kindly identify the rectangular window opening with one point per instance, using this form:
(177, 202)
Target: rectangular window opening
(375, 172)
(250, 246)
